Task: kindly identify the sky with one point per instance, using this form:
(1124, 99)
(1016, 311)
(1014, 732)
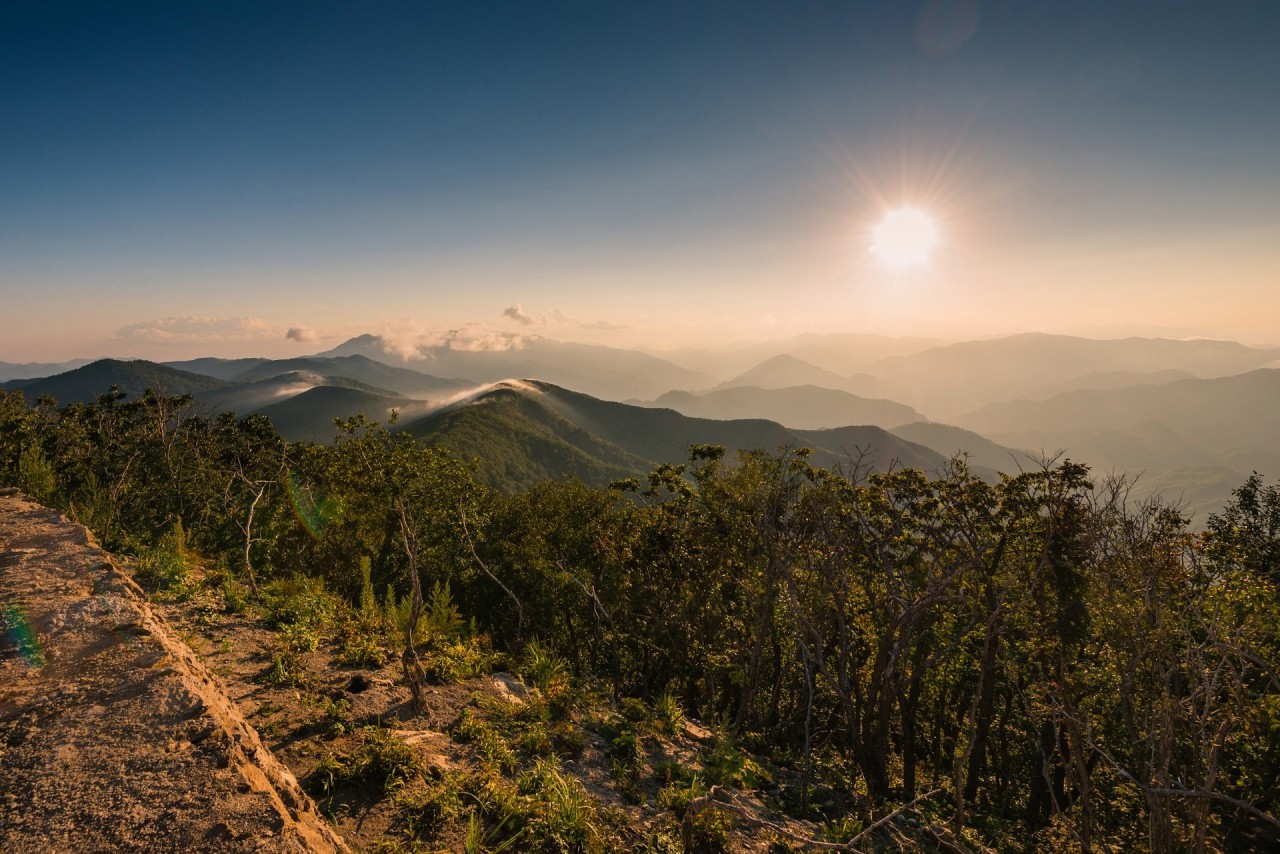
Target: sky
(259, 178)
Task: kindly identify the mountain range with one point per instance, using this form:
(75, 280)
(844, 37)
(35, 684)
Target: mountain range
(1194, 417)
(806, 406)
(594, 369)
(517, 430)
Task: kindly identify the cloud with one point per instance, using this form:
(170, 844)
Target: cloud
(197, 330)
(303, 334)
(411, 339)
(603, 324)
(556, 317)
(519, 315)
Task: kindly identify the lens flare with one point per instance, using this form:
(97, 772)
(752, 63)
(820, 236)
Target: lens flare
(315, 514)
(19, 636)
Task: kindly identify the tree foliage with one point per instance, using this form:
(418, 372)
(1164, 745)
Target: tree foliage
(1067, 666)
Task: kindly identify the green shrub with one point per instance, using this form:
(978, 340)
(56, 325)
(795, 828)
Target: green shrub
(725, 765)
(36, 476)
(169, 564)
(681, 787)
(300, 601)
(235, 596)
(443, 619)
(562, 816)
(299, 638)
(360, 643)
(426, 811)
(457, 660)
(634, 710)
(626, 759)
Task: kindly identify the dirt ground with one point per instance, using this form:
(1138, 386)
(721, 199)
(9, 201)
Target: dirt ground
(113, 735)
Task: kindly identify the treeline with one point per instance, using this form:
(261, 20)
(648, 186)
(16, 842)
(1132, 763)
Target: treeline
(1051, 664)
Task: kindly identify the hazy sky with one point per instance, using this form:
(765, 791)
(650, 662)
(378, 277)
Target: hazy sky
(181, 179)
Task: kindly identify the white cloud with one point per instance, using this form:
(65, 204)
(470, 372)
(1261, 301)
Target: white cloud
(302, 334)
(197, 330)
(519, 315)
(556, 317)
(411, 339)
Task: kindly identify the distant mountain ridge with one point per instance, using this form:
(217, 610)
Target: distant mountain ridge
(805, 407)
(538, 427)
(357, 367)
(597, 370)
(35, 370)
(959, 378)
(787, 371)
(85, 384)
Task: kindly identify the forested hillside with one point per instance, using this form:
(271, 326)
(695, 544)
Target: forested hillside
(1035, 663)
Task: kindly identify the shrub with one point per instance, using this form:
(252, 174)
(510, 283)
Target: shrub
(36, 476)
(168, 564)
(359, 644)
(300, 601)
(235, 596)
(726, 765)
(458, 660)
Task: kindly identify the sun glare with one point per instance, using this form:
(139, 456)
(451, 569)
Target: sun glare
(904, 238)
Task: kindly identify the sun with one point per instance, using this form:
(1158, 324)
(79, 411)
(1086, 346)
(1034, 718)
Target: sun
(905, 238)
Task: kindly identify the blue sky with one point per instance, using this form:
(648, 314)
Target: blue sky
(182, 177)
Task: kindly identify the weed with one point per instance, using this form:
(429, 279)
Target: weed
(563, 817)
(458, 660)
(337, 715)
(493, 751)
(725, 765)
(567, 739)
(359, 644)
(682, 788)
(378, 759)
(841, 830)
(286, 669)
(626, 760)
(299, 601)
(706, 831)
(298, 638)
(634, 710)
(169, 564)
(542, 668)
(670, 714)
(480, 840)
(427, 811)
